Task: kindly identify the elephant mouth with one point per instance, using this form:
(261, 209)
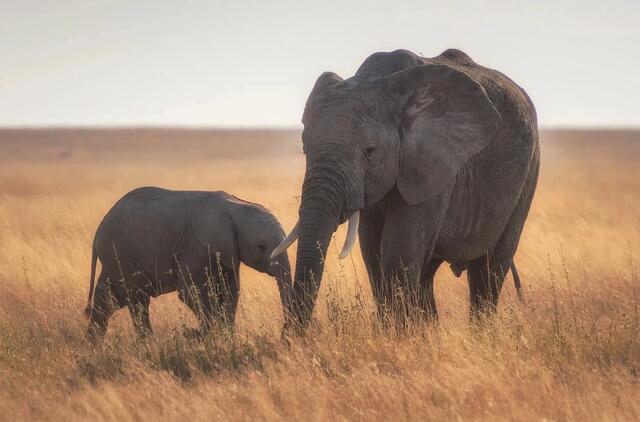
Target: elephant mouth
(345, 214)
(353, 222)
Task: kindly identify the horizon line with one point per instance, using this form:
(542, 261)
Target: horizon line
(250, 128)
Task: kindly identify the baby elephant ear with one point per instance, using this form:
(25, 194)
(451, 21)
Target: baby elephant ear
(447, 119)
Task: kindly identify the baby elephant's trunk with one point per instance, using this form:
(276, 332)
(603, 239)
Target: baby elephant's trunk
(280, 268)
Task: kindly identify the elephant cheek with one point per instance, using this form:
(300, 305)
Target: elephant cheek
(378, 182)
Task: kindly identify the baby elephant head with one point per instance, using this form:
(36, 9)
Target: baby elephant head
(258, 234)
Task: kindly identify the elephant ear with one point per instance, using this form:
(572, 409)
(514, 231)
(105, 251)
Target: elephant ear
(324, 81)
(447, 119)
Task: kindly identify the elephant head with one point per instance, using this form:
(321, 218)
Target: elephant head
(258, 233)
(364, 136)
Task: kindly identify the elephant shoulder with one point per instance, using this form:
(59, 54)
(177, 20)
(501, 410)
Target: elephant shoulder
(456, 56)
(510, 99)
(386, 63)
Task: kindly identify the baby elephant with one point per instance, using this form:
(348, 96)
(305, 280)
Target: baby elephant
(155, 241)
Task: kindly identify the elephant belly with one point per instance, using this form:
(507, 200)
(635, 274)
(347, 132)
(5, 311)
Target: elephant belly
(157, 281)
(467, 240)
(141, 272)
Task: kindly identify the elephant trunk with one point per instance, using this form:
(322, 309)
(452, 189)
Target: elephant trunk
(316, 229)
(321, 210)
(281, 270)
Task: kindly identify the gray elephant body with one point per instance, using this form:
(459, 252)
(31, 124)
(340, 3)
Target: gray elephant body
(155, 241)
(440, 157)
(489, 187)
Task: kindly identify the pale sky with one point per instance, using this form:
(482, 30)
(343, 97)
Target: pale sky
(245, 63)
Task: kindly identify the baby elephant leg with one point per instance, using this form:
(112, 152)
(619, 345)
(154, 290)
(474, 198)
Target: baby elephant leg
(104, 305)
(193, 298)
(213, 299)
(138, 305)
(228, 294)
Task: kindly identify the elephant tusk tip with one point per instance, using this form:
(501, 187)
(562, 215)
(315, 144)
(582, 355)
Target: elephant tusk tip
(287, 241)
(352, 233)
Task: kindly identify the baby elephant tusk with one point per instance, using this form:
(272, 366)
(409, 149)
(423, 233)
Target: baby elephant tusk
(352, 233)
(295, 232)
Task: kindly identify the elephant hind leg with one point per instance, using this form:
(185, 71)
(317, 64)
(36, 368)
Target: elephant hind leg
(104, 306)
(485, 283)
(486, 274)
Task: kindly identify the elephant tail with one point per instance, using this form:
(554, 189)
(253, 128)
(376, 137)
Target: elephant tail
(94, 259)
(516, 281)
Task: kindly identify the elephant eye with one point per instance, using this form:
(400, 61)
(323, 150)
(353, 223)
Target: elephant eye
(262, 248)
(368, 151)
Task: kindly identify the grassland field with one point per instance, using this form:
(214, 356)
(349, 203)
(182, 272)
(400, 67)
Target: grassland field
(571, 352)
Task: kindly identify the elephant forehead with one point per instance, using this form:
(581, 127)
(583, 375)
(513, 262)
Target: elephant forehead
(331, 127)
(334, 119)
(353, 100)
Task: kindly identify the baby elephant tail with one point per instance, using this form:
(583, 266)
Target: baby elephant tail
(94, 258)
(516, 281)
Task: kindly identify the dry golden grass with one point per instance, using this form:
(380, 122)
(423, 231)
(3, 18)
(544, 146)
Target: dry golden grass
(571, 353)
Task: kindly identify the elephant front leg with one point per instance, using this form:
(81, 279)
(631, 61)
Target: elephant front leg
(426, 298)
(213, 299)
(202, 301)
(138, 305)
(401, 258)
(370, 233)
(408, 241)
(228, 295)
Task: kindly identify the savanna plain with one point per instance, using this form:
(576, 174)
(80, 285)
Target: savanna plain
(571, 351)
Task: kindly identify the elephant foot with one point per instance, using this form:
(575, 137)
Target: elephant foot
(293, 327)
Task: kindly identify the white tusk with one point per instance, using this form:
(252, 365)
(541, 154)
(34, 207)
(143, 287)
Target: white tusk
(295, 232)
(352, 233)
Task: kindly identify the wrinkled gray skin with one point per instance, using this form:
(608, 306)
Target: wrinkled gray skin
(155, 241)
(441, 157)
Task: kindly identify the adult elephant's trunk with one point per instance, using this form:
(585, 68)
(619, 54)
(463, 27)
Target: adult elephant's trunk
(331, 192)
(319, 218)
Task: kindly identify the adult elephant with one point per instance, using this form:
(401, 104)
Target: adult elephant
(437, 160)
